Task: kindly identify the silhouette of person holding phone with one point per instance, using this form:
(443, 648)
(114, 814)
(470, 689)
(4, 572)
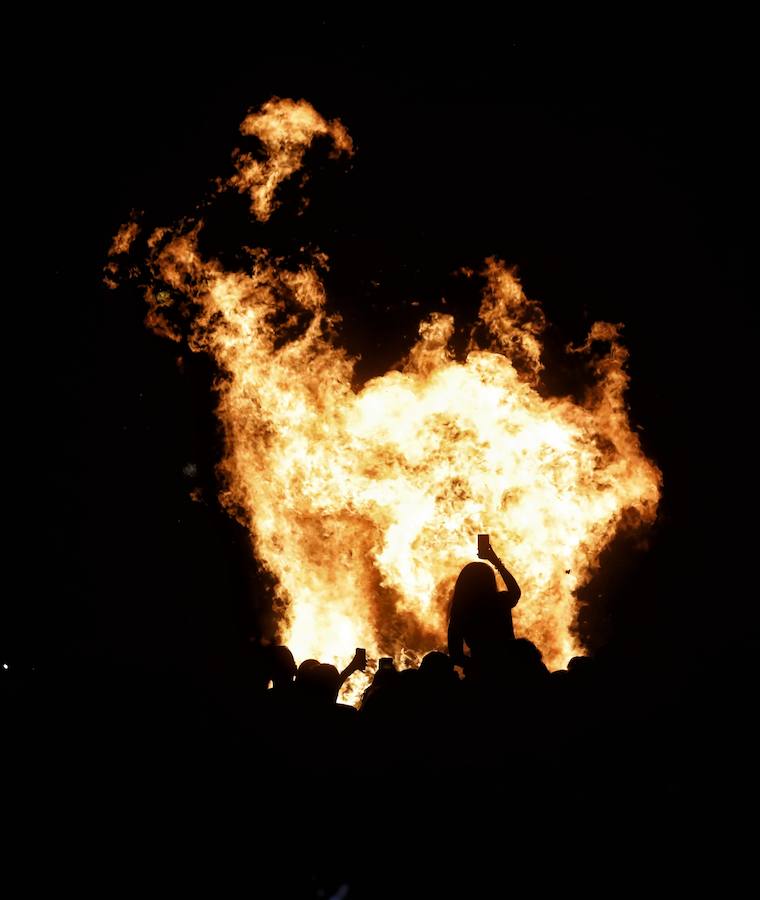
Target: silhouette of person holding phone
(481, 614)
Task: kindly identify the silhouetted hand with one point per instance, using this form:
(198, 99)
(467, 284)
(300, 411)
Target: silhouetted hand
(513, 589)
(491, 556)
(359, 662)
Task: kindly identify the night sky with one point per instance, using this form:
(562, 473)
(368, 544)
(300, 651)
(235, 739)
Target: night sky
(615, 178)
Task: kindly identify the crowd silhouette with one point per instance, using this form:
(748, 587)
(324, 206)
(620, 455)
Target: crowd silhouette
(488, 698)
(480, 730)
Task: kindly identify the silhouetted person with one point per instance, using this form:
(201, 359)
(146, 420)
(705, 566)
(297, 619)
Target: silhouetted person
(319, 728)
(481, 615)
(306, 665)
(523, 665)
(383, 684)
(282, 667)
(302, 675)
(320, 683)
(437, 671)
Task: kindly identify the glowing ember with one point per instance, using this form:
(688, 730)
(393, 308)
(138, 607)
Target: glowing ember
(120, 245)
(124, 238)
(365, 504)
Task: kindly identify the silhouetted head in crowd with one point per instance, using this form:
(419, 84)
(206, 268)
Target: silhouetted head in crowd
(386, 673)
(475, 579)
(319, 684)
(304, 668)
(282, 666)
(384, 681)
(523, 662)
(437, 669)
(582, 671)
(580, 665)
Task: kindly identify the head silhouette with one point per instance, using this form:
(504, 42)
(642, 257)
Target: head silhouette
(320, 684)
(305, 666)
(437, 667)
(476, 579)
(282, 667)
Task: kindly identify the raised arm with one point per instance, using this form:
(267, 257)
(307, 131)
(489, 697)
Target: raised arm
(358, 663)
(513, 588)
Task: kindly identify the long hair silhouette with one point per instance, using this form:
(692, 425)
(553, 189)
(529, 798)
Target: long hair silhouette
(475, 578)
(480, 614)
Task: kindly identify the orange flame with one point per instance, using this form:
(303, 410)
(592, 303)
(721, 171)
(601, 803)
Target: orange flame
(286, 129)
(120, 246)
(124, 237)
(365, 504)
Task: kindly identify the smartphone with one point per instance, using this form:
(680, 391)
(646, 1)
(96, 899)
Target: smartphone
(385, 662)
(361, 657)
(484, 545)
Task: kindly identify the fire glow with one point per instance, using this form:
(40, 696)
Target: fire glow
(364, 504)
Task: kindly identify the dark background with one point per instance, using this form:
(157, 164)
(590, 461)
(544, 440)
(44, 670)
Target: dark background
(612, 170)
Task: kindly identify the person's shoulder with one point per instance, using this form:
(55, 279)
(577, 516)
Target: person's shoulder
(508, 598)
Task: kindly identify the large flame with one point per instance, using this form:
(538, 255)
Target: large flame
(365, 504)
